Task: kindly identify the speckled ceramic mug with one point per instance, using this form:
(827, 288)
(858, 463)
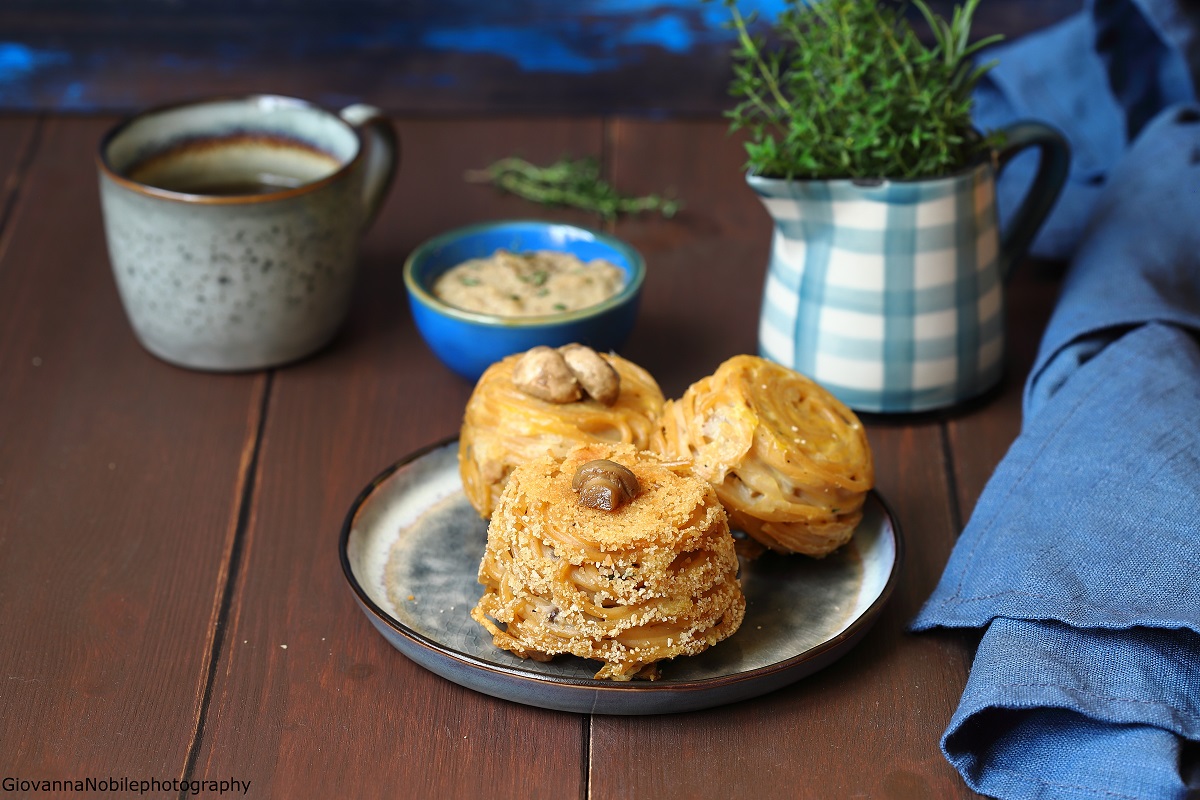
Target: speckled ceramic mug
(233, 225)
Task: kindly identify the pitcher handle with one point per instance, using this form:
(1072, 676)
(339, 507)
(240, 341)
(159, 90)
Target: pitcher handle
(383, 155)
(1042, 194)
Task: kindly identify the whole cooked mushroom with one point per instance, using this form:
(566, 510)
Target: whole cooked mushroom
(543, 373)
(566, 374)
(597, 377)
(605, 484)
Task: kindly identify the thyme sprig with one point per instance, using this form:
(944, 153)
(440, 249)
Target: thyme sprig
(569, 182)
(846, 89)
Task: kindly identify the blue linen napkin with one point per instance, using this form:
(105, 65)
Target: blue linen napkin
(1098, 76)
(1079, 561)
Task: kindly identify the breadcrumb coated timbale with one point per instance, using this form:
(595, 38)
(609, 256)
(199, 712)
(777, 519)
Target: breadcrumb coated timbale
(654, 579)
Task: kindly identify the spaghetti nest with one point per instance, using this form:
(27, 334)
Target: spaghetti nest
(504, 426)
(655, 579)
(790, 463)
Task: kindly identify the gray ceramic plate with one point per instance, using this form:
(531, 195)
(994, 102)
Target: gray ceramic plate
(413, 528)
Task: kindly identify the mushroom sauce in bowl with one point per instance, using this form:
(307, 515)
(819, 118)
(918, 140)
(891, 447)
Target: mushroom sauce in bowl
(469, 341)
(528, 284)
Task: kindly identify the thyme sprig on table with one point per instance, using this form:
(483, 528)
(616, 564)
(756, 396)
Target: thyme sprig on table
(847, 89)
(569, 182)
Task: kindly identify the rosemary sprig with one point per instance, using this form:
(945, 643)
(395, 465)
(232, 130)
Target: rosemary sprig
(567, 182)
(847, 89)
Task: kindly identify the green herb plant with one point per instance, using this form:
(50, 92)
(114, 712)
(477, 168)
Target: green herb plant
(569, 182)
(847, 89)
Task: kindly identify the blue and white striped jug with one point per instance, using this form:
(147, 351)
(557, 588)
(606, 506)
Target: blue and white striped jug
(891, 293)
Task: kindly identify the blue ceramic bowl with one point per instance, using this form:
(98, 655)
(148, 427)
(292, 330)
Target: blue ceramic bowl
(469, 342)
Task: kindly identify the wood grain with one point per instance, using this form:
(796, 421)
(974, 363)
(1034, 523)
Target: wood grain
(979, 440)
(18, 137)
(705, 266)
(164, 534)
(119, 485)
(339, 712)
(883, 706)
(866, 726)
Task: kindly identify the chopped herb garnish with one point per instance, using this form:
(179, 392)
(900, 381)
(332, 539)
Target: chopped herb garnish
(536, 278)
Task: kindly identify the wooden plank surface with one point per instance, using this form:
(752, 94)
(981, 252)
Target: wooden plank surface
(705, 266)
(884, 705)
(979, 440)
(164, 533)
(18, 139)
(339, 712)
(866, 726)
(120, 478)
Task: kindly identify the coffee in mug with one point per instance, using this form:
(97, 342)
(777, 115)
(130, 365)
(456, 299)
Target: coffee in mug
(233, 225)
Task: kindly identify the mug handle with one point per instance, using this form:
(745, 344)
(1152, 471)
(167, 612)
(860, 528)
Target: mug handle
(1042, 193)
(383, 154)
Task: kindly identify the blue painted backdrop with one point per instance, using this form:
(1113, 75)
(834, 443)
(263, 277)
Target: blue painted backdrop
(652, 56)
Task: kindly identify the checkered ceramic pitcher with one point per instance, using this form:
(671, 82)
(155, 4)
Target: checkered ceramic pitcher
(891, 293)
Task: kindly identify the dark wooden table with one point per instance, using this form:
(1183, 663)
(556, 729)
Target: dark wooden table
(171, 603)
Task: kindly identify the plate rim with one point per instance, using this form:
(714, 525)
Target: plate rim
(858, 627)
